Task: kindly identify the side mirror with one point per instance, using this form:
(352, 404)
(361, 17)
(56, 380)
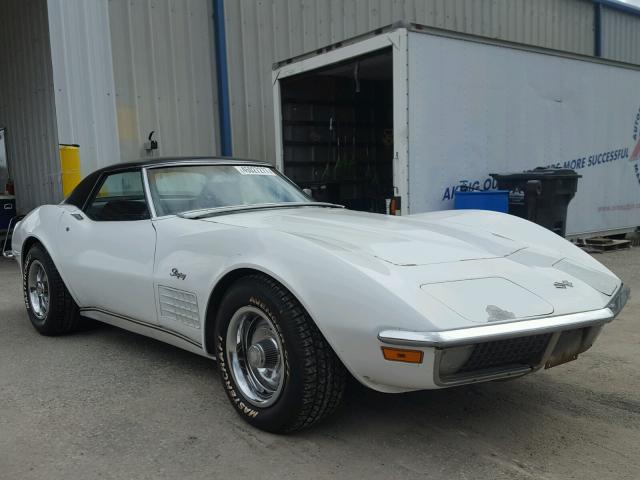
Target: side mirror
(307, 192)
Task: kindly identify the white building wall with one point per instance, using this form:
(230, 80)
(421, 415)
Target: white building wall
(83, 80)
(27, 106)
(620, 36)
(163, 66)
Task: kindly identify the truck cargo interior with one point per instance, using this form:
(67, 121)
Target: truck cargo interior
(337, 127)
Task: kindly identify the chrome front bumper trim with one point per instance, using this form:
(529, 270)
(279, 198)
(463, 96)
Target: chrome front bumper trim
(491, 332)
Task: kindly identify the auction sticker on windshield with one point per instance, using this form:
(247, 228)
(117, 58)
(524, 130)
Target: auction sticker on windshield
(249, 170)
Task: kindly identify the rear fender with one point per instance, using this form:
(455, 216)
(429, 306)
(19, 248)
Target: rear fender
(41, 225)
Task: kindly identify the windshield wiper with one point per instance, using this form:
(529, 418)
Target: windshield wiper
(216, 211)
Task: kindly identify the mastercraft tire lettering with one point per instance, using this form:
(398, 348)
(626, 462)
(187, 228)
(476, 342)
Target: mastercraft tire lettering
(278, 372)
(51, 309)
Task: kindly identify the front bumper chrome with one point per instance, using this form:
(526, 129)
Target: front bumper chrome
(498, 331)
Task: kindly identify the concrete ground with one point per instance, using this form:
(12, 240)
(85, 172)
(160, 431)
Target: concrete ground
(110, 404)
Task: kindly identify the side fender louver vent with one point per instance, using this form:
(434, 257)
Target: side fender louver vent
(178, 305)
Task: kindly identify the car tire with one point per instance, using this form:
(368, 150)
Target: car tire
(311, 378)
(51, 308)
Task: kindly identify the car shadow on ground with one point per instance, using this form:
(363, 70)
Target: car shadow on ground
(514, 426)
(483, 405)
(361, 405)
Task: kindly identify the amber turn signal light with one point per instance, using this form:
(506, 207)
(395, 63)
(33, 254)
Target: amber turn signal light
(402, 355)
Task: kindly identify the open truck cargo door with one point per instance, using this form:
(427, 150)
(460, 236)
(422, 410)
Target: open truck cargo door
(335, 117)
(462, 107)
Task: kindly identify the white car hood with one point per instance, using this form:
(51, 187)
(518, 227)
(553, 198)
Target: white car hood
(396, 240)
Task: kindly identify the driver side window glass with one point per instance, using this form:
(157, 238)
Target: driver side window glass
(119, 198)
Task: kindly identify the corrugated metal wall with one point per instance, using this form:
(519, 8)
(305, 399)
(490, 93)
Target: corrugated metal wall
(27, 106)
(260, 32)
(122, 68)
(163, 65)
(83, 80)
(620, 36)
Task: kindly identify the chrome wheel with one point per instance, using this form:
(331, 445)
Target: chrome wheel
(255, 355)
(38, 289)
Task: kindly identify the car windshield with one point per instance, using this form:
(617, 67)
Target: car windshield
(184, 188)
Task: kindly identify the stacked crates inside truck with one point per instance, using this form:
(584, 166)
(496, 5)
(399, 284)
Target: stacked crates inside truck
(337, 126)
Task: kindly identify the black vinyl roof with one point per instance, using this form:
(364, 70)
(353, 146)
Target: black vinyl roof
(84, 189)
(150, 162)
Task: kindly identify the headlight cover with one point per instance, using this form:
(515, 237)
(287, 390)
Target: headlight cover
(619, 300)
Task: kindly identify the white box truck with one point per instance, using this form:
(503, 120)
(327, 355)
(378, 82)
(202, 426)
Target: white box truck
(410, 113)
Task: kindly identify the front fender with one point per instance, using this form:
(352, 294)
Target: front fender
(350, 296)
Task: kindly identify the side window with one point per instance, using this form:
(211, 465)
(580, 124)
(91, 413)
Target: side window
(119, 199)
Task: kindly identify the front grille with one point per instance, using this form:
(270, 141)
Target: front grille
(513, 351)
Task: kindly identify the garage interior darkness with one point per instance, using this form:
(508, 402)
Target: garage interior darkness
(337, 127)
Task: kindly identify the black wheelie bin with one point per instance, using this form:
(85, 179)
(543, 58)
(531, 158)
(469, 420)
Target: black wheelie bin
(541, 195)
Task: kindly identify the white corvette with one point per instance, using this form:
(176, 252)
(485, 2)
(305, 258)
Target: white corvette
(230, 260)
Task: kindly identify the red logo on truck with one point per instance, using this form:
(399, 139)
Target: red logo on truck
(635, 155)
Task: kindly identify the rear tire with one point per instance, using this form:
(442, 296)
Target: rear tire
(51, 309)
(277, 369)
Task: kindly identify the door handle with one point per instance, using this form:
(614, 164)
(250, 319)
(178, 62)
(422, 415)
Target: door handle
(77, 216)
